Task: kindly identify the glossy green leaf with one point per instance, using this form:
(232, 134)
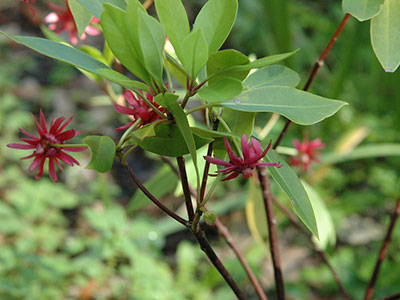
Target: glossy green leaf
(275, 75)
(94, 52)
(173, 18)
(82, 16)
(385, 35)
(176, 70)
(167, 140)
(117, 36)
(151, 39)
(96, 6)
(259, 63)
(60, 52)
(102, 150)
(169, 101)
(160, 185)
(122, 80)
(224, 89)
(362, 152)
(362, 9)
(211, 134)
(51, 35)
(224, 59)
(216, 19)
(132, 27)
(287, 179)
(298, 106)
(326, 228)
(194, 53)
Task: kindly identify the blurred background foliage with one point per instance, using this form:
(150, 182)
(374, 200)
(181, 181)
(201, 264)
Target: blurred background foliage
(87, 238)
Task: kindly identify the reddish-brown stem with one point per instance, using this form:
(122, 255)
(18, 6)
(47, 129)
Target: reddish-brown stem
(228, 238)
(272, 232)
(205, 246)
(185, 187)
(149, 195)
(199, 234)
(207, 165)
(391, 297)
(383, 251)
(292, 218)
(318, 64)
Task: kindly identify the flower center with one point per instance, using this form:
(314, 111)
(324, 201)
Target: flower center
(247, 172)
(45, 146)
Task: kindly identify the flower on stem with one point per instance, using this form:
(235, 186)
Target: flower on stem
(30, 6)
(62, 20)
(140, 110)
(306, 152)
(252, 154)
(49, 145)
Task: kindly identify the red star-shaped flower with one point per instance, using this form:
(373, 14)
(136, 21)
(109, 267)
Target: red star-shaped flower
(139, 109)
(62, 20)
(237, 165)
(49, 145)
(306, 152)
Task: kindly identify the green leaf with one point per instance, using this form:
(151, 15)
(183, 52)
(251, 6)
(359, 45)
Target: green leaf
(118, 38)
(224, 59)
(94, 52)
(176, 70)
(385, 35)
(173, 18)
(60, 52)
(82, 16)
(362, 152)
(161, 184)
(96, 6)
(298, 106)
(275, 75)
(287, 179)
(151, 39)
(51, 35)
(211, 134)
(102, 150)
(224, 89)
(194, 53)
(122, 80)
(169, 101)
(362, 9)
(326, 228)
(167, 140)
(259, 63)
(216, 19)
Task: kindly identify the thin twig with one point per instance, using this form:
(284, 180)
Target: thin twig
(229, 240)
(149, 195)
(185, 187)
(199, 234)
(272, 233)
(383, 251)
(391, 297)
(207, 165)
(205, 246)
(292, 218)
(318, 64)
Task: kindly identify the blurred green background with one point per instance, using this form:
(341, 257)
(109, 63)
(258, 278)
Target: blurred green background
(87, 238)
